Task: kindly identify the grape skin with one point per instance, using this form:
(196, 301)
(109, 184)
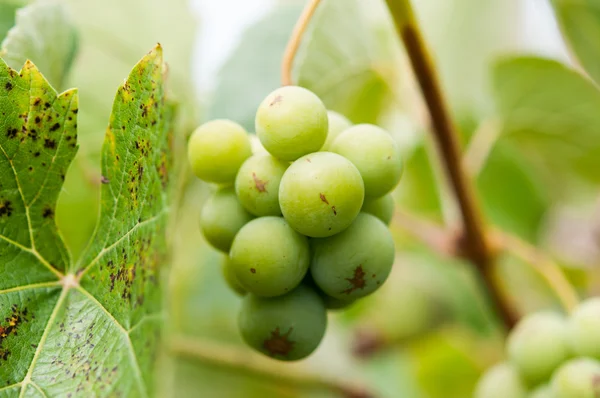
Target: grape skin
(501, 381)
(291, 122)
(543, 391)
(337, 124)
(321, 194)
(217, 149)
(257, 184)
(577, 378)
(288, 327)
(355, 262)
(538, 345)
(230, 278)
(268, 257)
(222, 217)
(375, 154)
(584, 328)
(382, 208)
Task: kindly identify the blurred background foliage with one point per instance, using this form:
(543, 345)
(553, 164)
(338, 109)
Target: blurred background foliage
(526, 108)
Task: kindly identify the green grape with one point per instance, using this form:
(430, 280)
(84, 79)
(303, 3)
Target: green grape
(291, 122)
(321, 194)
(287, 327)
(257, 184)
(500, 381)
(269, 258)
(331, 303)
(230, 278)
(577, 378)
(382, 208)
(538, 345)
(257, 147)
(217, 149)
(337, 124)
(584, 328)
(355, 262)
(222, 217)
(543, 391)
(376, 155)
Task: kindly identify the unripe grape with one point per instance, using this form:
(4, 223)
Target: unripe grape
(230, 278)
(257, 147)
(222, 217)
(374, 153)
(320, 194)
(337, 124)
(382, 208)
(287, 327)
(257, 184)
(291, 122)
(538, 345)
(501, 381)
(577, 378)
(217, 149)
(269, 258)
(543, 391)
(584, 329)
(355, 262)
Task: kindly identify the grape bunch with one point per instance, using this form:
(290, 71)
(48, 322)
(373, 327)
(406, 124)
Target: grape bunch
(302, 215)
(549, 356)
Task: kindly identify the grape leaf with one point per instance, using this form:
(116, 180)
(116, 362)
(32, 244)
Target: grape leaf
(579, 21)
(350, 58)
(550, 113)
(87, 328)
(44, 34)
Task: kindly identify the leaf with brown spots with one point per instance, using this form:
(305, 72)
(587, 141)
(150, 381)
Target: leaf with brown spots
(88, 328)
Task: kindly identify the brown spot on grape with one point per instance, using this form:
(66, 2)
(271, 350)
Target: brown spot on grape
(334, 210)
(276, 100)
(6, 208)
(308, 160)
(323, 198)
(279, 344)
(259, 184)
(357, 281)
(253, 270)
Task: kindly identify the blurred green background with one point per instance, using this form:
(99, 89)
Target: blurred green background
(527, 115)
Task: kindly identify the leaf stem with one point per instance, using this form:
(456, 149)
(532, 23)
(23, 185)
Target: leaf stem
(476, 246)
(233, 359)
(294, 43)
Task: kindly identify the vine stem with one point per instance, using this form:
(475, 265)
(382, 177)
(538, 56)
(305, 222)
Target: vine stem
(294, 43)
(475, 245)
(231, 358)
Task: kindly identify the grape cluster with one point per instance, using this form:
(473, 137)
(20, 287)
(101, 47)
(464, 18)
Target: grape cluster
(302, 215)
(549, 356)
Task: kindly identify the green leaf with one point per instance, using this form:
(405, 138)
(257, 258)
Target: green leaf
(89, 327)
(350, 58)
(580, 22)
(43, 34)
(550, 113)
(253, 69)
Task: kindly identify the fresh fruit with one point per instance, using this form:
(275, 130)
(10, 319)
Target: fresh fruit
(257, 184)
(222, 217)
(577, 378)
(501, 381)
(584, 328)
(291, 122)
(543, 391)
(268, 257)
(287, 327)
(355, 262)
(382, 208)
(217, 149)
(337, 124)
(321, 194)
(230, 277)
(374, 153)
(538, 345)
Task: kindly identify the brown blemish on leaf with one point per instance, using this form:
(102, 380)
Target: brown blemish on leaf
(37, 101)
(36, 154)
(49, 143)
(357, 281)
(48, 212)
(10, 327)
(55, 127)
(253, 270)
(6, 208)
(259, 184)
(276, 100)
(104, 180)
(8, 86)
(323, 198)
(11, 132)
(279, 344)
